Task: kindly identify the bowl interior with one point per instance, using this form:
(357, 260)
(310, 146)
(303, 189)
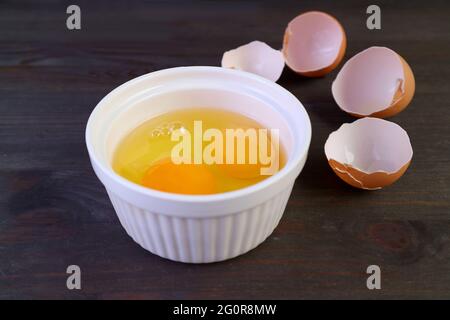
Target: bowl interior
(152, 94)
(150, 106)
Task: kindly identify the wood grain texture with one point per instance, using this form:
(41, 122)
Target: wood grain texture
(54, 212)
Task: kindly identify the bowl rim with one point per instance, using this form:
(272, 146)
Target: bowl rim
(291, 164)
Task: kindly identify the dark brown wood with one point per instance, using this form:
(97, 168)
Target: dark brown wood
(54, 212)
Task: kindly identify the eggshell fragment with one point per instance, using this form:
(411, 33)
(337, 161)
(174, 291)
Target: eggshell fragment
(314, 44)
(376, 82)
(255, 57)
(369, 153)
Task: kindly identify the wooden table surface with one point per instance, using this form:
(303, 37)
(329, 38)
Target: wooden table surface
(54, 212)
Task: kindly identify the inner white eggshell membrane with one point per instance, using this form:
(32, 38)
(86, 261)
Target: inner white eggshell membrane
(370, 145)
(368, 81)
(255, 57)
(314, 41)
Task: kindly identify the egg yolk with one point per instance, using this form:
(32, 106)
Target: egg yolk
(180, 178)
(144, 156)
(243, 171)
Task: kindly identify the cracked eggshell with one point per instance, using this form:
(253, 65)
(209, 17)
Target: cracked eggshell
(255, 57)
(314, 44)
(376, 82)
(369, 153)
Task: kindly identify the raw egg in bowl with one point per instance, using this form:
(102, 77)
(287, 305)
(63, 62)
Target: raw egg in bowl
(204, 226)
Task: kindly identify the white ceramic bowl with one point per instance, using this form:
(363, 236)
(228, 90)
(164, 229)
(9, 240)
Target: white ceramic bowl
(192, 228)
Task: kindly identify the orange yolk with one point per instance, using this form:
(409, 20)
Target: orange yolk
(243, 171)
(180, 178)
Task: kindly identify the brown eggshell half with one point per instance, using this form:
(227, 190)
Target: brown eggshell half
(401, 98)
(314, 44)
(362, 180)
(376, 82)
(256, 57)
(369, 153)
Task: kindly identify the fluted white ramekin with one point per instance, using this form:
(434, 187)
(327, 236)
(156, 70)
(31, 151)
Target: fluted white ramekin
(192, 228)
